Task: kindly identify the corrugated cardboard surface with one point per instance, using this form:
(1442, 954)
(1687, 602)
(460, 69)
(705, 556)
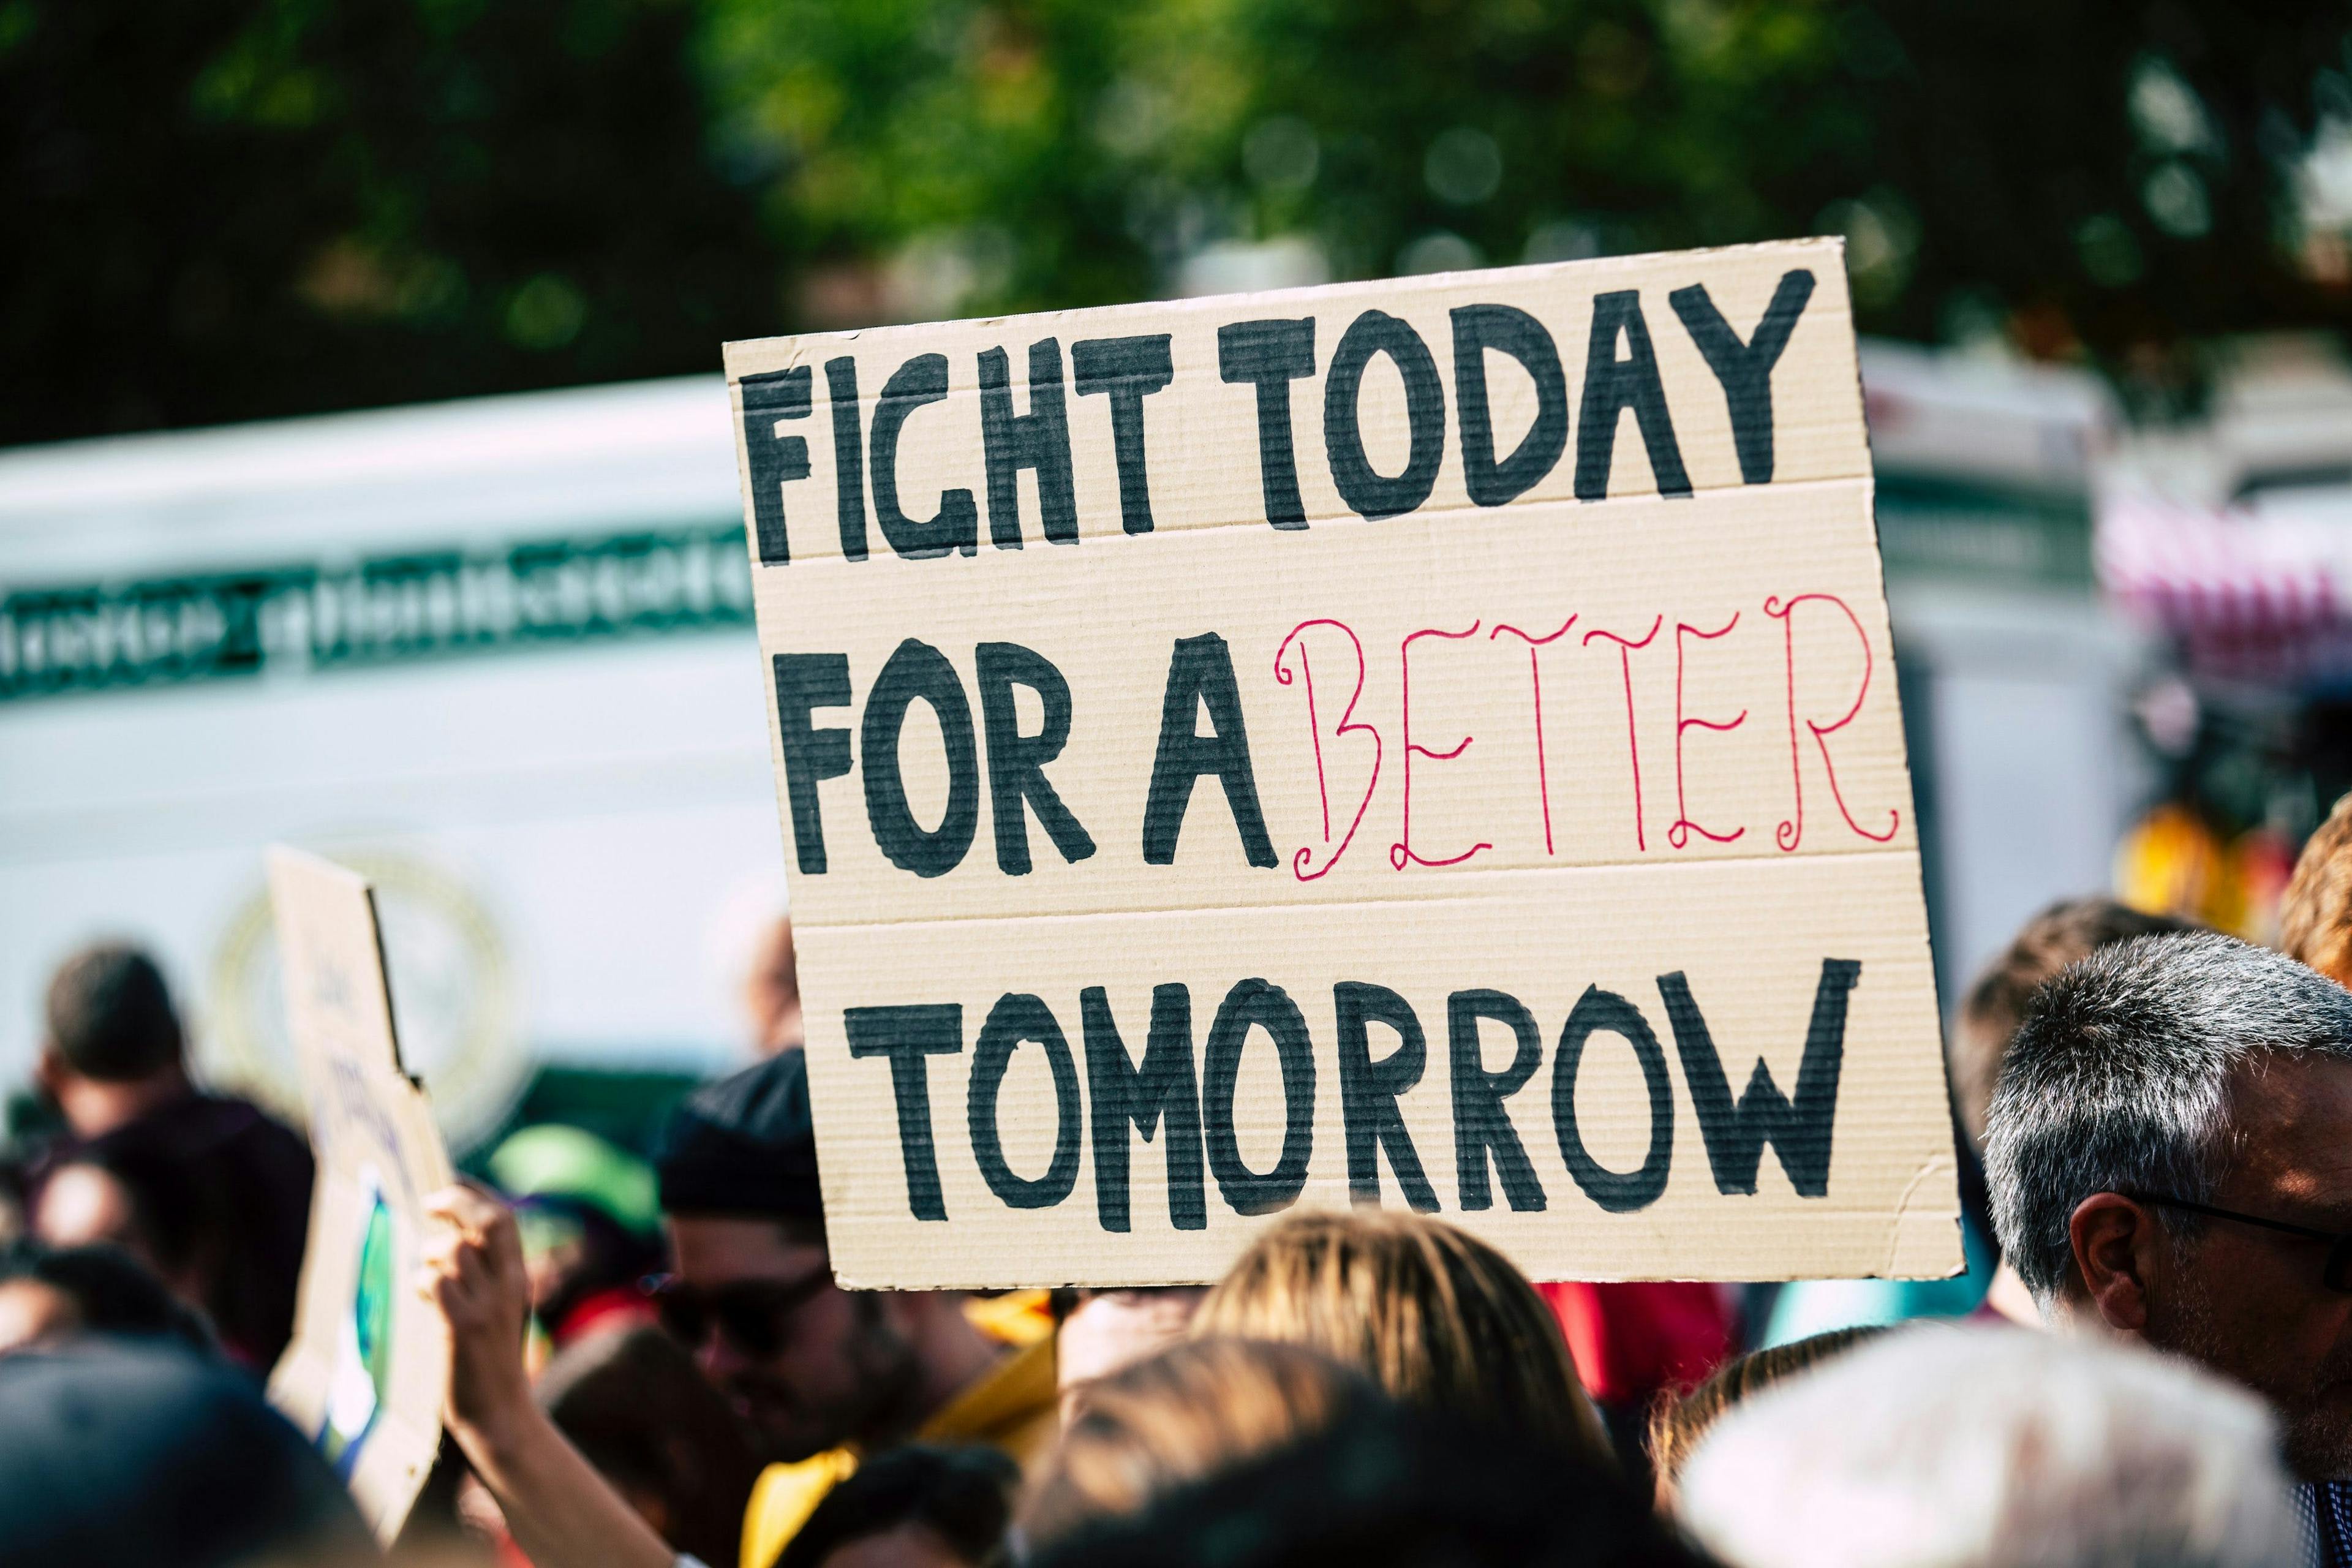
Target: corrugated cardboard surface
(1684, 757)
(371, 1132)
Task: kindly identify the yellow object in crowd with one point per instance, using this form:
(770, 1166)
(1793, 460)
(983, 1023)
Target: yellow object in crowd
(1014, 1409)
(2168, 863)
(2171, 862)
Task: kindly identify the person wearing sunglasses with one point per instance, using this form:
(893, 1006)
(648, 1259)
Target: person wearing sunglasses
(2169, 1157)
(819, 1375)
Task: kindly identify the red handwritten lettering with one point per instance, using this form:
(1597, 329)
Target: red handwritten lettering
(1679, 833)
(1401, 853)
(1534, 676)
(1791, 832)
(1625, 647)
(1301, 861)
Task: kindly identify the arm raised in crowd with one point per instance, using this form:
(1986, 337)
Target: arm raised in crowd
(562, 1513)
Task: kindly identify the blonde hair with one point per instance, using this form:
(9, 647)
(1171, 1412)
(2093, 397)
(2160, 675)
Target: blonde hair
(2315, 915)
(1435, 1316)
(1181, 1417)
(1677, 1424)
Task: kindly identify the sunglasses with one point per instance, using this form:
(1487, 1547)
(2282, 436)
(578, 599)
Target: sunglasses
(755, 1315)
(2336, 1273)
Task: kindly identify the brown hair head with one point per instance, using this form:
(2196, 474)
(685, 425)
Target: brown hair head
(1676, 1424)
(2061, 935)
(633, 1402)
(1180, 1416)
(1431, 1314)
(2315, 916)
(110, 1015)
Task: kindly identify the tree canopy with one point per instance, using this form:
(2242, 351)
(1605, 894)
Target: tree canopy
(225, 209)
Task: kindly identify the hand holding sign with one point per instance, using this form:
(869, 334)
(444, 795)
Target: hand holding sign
(562, 1513)
(471, 1268)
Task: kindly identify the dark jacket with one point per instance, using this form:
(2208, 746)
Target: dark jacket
(222, 1193)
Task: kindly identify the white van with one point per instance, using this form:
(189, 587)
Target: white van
(498, 653)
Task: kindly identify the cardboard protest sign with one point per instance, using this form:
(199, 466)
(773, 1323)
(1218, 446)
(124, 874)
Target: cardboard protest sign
(370, 1361)
(1431, 743)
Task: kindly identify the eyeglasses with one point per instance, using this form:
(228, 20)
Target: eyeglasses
(2336, 1274)
(754, 1314)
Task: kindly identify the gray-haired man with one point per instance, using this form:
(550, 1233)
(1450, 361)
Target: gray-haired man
(2169, 1155)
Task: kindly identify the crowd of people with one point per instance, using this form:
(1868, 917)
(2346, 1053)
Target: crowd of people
(2149, 1362)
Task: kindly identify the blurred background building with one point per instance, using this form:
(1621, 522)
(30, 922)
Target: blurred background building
(491, 639)
(497, 654)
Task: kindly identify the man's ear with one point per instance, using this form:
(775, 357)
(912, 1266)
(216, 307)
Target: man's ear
(2114, 1243)
(49, 1070)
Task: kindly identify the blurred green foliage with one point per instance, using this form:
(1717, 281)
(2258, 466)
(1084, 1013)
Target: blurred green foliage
(228, 208)
(221, 210)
